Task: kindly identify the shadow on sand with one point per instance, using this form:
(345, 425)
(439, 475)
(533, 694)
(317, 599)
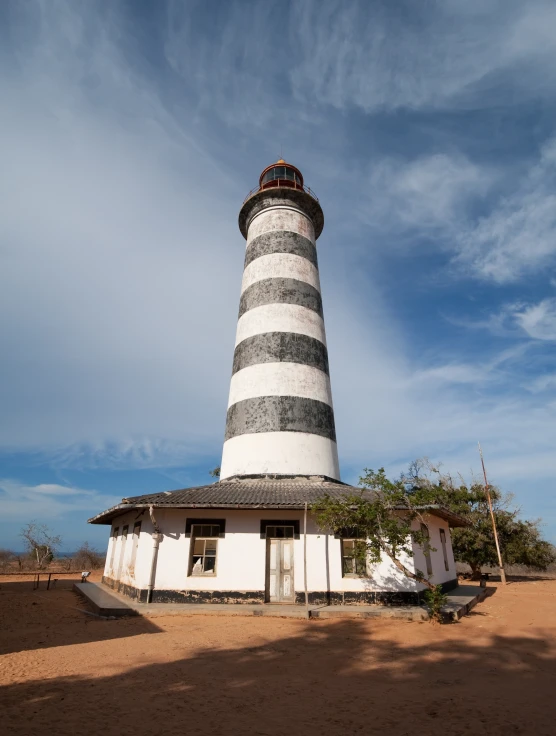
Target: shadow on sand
(39, 619)
(335, 677)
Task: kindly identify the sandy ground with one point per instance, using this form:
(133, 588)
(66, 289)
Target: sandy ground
(63, 672)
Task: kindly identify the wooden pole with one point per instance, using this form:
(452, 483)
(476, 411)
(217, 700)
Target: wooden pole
(305, 559)
(487, 492)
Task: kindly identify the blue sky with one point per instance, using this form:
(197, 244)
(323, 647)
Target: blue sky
(132, 132)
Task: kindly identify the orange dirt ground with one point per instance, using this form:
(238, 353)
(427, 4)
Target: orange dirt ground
(64, 672)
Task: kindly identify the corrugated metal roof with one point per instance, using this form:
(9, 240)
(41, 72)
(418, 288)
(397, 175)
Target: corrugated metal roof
(251, 493)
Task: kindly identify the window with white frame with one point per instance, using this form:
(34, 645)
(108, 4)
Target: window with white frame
(354, 557)
(204, 548)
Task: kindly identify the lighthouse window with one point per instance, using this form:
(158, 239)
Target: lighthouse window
(354, 557)
(204, 545)
(281, 172)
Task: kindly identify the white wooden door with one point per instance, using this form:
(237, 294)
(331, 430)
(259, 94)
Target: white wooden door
(280, 571)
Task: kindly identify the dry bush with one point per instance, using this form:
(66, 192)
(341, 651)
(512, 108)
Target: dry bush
(86, 558)
(8, 560)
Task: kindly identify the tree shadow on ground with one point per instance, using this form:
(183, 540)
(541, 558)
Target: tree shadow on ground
(334, 677)
(39, 619)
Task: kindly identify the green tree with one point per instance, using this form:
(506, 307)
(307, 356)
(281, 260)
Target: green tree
(383, 514)
(520, 540)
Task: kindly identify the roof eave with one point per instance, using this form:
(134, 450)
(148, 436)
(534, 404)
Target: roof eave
(106, 517)
(453, 519)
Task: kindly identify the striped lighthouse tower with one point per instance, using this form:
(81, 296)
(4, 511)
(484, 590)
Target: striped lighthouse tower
(280, 418)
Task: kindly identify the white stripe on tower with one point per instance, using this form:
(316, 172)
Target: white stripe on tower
(280, 265)
(280, 318)
(280, 379)
(281, 217)
(280, 417)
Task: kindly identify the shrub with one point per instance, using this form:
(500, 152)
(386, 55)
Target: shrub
(87, 557)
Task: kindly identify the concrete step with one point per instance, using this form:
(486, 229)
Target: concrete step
(108, 603)
(404, 613)
(462, 599)
(103, 601)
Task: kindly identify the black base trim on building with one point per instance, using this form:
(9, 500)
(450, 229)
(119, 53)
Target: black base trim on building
(316, 598)
(359, 598)
(130, 591)
(186, 596)
(449, 585)
(208, 596)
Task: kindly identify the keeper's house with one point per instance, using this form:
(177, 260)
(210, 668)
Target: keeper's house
(243, 539)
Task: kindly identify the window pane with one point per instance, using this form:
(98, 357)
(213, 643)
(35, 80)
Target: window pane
(280, 532)
(271, 531)
(349, 547)
(210, 547)
(348, 565)
(360, 567)
(197, 566)
(199, 547)
(210, 564)
(215, 531)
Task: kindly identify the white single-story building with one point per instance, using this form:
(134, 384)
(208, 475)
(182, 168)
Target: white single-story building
(243, 541)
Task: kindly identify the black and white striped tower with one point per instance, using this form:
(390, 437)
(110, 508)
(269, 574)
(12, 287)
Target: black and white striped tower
(280, 418)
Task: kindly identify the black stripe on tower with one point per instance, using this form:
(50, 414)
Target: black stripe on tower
(281, 347)
(280, 414)
(280, 291)
(281, 241)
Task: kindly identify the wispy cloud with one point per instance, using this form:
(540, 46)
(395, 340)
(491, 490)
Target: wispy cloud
(518, 236)
(538, 320)
(533, 320)
(429, 194)
(23, 502)
(439, 196)
(118, 262)
(426, 56)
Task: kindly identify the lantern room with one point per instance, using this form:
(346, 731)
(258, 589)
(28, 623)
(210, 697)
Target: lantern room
(281, 174)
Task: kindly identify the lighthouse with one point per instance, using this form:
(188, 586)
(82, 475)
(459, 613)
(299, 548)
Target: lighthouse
(280, 418)
(251, 537)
